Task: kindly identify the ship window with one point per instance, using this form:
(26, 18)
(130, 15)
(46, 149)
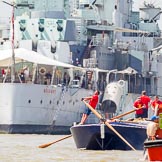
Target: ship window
(41, 101)
(29, 101)
(50, 102)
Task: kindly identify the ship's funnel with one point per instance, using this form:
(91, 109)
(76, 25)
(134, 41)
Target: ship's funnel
(112, 96)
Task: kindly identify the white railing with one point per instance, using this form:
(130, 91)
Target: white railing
(98, 2)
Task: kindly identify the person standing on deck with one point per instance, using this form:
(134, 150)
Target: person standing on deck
(26, 73)
(93, 100)
(3, 72)
(22, 76)
(145, 100)
(48, 77)
(138, 105)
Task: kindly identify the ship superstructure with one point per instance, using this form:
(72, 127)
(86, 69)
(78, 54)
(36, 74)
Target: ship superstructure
(107, 38)
(95, 33)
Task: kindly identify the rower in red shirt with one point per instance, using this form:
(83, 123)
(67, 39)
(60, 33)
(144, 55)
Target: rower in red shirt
(156, 104)
(93, 100)
(138, 105)
(145, 100)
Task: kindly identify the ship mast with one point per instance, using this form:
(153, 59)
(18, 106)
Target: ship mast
(12, 41)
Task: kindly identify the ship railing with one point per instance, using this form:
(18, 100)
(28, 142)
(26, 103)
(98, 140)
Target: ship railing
(139, 46)
(98, 2)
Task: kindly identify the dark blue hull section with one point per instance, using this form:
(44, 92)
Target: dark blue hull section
(89, 136)
(34, 129)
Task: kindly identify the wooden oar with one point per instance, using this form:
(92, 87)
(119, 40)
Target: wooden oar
(129, 112)
(119, 116)
(50, 143)
(156, 109)
(108, 125)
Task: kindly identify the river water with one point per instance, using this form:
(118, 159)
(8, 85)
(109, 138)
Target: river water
(24, 148)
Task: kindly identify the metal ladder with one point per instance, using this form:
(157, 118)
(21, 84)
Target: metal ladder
(62, 95)
(56, 112)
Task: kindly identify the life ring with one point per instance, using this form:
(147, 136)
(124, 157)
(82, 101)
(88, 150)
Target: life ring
(58, 73)
(42, 70)
(121, 83)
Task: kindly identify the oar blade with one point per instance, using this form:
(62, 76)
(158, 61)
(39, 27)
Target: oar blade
(45, 145)
(48, 144)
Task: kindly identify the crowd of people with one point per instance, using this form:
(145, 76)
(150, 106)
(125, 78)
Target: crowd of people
(142, 104)
(25, 74)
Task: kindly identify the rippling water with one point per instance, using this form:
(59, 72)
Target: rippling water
(24, 148)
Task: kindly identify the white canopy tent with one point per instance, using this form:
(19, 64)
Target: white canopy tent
(29, 56)
(128, 70)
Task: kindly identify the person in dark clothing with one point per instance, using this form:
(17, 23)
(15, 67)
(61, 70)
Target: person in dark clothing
(22, 76)
(48, 77)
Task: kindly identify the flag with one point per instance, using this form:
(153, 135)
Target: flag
(12, 21)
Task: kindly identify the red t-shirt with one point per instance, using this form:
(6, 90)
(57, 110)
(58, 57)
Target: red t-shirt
(138, 104)
(94, 100)
(153, 104)
(3, 72)
(145, 100)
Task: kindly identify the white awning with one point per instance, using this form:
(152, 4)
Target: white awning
(128, 70)
(29, 56)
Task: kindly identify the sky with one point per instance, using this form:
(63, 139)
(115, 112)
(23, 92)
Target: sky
(4, 8)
